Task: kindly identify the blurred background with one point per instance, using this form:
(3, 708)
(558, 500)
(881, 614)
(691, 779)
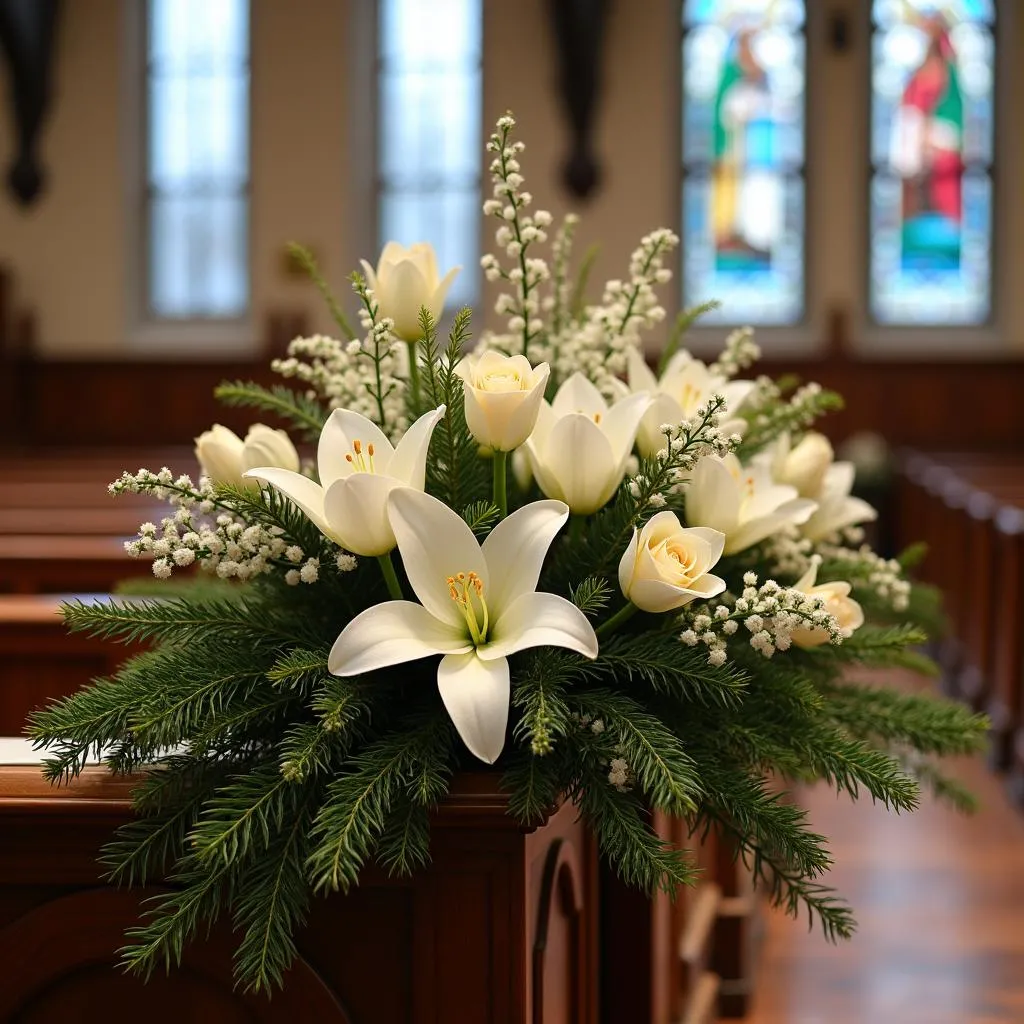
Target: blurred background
(841, 174)
(844, 175)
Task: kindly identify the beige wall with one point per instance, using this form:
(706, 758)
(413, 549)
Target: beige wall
(74, 253)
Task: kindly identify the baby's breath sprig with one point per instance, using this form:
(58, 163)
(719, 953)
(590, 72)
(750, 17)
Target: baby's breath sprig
(559, 302)
(740, 351)
(770, 613)
(518, 231)
(768, 416)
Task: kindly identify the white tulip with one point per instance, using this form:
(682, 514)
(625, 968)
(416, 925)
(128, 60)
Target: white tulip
(836, 508)
(358, 469)
(479, 604)
(838, 603)
(744, 503)
(804, 466)
(503, 396)
(224, 456)
(405, 281)
(579, 447)
(685, 385)
(666, 566)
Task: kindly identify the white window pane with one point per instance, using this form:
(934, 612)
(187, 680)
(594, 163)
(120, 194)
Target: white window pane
(198, 258)
(198, 158)
(429, 131)
(418, 34)
(199, 128)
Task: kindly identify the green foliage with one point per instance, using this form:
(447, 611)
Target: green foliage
(592, 595)
(305, 414)
(684, 321)
(481, 516)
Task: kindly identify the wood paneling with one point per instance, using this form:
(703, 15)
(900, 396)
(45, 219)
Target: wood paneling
(114, 403)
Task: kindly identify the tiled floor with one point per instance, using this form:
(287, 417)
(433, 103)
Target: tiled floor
(940, 903)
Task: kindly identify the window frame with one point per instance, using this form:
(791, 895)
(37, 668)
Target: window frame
(803, 337)
(960, 342)
(378, 191)
(150, 335)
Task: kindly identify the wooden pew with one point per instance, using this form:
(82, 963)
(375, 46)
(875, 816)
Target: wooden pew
(40, 564)
(41, 661)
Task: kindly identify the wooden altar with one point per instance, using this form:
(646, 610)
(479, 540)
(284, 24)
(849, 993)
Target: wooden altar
(501, 928)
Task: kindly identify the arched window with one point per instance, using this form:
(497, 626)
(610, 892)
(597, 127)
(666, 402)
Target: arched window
(743, 158)
(429, 148)
(932, 132)
(197, 159)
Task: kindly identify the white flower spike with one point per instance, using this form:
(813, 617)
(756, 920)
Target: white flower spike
(479, 604)
(358, 469)
(579, 447)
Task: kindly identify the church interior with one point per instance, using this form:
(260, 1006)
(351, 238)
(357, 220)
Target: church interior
(188, 187)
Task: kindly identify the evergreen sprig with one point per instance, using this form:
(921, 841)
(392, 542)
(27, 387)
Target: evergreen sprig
(306, 414)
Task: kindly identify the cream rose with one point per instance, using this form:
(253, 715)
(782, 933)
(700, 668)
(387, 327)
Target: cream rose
(666, 565)
(503, 396)
(405, 281)
(838, 603)
(224, 456)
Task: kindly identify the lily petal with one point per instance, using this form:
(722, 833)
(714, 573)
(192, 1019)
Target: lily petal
(435, 543)
(300, 490)
(713, 497)
(754, 530)
(409, 462)
(370, 274)
(621, 423)
(441, 291)
(476, 695)
(356, 508)
(407, 292)
(392, 633)
(540, 620)
(515, 550)
(579, 456)
(342, 429)
(638, 373)
(578, 394)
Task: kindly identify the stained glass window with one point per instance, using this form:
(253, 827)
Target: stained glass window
(197, 158)
(429, 132)
(931, 149)
(743, 158)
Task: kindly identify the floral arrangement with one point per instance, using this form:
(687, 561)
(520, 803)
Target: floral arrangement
(653, 610)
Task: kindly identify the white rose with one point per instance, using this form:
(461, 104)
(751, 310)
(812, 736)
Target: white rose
(838, 603)
(224, 456)
(666, 566)
(405, 281)
(503, 396)
(803, 467)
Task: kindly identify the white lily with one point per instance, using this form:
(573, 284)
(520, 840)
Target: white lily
(837, 509)
(224, 456)
(405, 281)
(685, 385)
(803, 465)
(743, 502)
(579, 447)
(358, 469)
(479, 604)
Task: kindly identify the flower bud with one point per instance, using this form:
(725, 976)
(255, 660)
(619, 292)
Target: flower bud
(666, 565)
(503, 396)
(804, 467)
(224, 456)
(405, 281)
(837, 602)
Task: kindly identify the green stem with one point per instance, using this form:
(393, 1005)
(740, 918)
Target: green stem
(390, 577)
(576, 528)
(500, 489)
(414, 376)
(627, 611)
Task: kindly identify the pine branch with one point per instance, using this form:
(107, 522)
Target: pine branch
(592, 595)
(271, 904)
(684, 321)
(305, 258)
(533, 784)
(300, 668)
(306, 414)
(481, 516)
(664, 771)
(540, 694)
(357, 806)
(624, 836)
(405, 842)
